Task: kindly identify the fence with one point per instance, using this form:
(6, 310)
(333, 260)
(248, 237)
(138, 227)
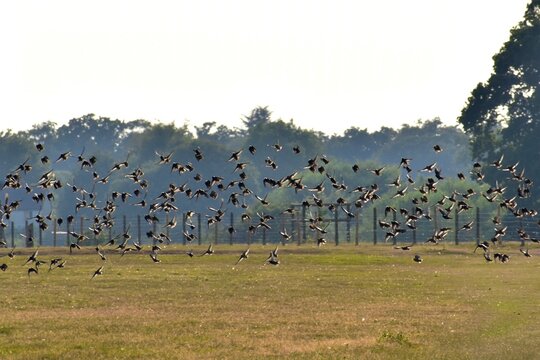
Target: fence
(303, 225)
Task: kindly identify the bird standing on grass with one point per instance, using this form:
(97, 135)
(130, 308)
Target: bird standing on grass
(272, 259)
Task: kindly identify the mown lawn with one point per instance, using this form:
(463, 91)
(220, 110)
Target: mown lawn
(331, 302)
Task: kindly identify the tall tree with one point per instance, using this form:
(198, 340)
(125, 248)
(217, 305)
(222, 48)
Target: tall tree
(502, 116)
(258, 116)
(505, 109)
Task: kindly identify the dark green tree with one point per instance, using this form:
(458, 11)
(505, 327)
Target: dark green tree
(258, 116)
(502, 113)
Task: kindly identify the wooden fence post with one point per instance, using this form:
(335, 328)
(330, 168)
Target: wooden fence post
(109, 234)
(304, 234)
(26, 233)
(477, 226)
(54, 232)
(456, 226)
(154, 229)
(199, 231)
(139, 229)
(231, 226)
(336, 228)
(357, 226)
(12, 234)
(348, 224)
(67, 232)
(184, 220)
(298, 238)
(521, 227)
(281, 227)
(435, 218)
(374, 225)
(81, 227)
(167, 229)
(394, 238)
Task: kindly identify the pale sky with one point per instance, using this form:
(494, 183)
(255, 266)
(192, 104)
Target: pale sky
(329, 65)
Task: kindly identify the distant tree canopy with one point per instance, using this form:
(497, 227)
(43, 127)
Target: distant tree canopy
(502, 115)
(142, 144)
(387, 145)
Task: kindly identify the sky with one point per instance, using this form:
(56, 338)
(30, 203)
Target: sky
(329, 65)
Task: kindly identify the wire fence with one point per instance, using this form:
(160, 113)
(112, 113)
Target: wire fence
(303, 225)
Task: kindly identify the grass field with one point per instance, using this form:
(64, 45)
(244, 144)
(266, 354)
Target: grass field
(341, 302)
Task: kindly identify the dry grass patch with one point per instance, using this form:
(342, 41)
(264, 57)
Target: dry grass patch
(345, 302)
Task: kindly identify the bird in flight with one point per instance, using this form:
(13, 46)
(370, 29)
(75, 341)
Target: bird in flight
(98, 272)
(243, 256)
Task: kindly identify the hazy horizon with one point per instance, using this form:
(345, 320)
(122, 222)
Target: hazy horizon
(327, 65)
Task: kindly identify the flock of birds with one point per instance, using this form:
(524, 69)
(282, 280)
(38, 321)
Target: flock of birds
(216, 188)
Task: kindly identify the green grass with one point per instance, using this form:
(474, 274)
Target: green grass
(341, 302)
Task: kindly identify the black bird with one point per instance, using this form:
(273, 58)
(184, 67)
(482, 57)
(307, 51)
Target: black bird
(285, 236)
(208, 251)
(54, 263)
(99, 271)
(406, 247)
(467, 226)
(32, 257)
(189, 237)
(243, 256)
(32, 270)
(378, 171)
(101, 255)
(501, 257)
(164, 158)
(273, 258)
(235, 155)
(498, 163)
(273, 261)
(405, 162)
(154, 257)
(483, 245)
(3, 267)
(198, 154)
(64, 156)
(525, 252)
(417, 258)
